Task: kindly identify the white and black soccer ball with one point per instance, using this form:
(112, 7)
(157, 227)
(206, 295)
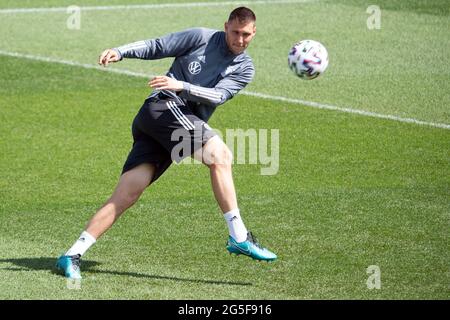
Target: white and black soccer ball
(308, 59)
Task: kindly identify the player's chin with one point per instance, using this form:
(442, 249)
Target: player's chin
(238, 50)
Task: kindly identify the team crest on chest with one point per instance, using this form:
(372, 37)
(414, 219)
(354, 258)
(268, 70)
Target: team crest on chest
(195, 67)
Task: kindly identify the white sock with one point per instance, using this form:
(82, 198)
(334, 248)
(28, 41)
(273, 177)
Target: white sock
(84, 242)
(235, 225)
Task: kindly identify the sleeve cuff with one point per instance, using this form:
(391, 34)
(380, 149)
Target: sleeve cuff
(118, 53)
(186, 86)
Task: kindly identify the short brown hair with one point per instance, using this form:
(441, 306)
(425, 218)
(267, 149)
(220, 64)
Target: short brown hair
(243, 14)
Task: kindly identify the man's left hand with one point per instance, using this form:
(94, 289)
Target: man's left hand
(165, 83)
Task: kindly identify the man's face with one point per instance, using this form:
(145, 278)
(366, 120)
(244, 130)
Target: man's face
(239, 35)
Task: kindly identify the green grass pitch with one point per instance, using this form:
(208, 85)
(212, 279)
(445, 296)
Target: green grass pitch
(352, 191)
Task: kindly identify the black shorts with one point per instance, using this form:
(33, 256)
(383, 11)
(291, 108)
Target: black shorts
(165, 131)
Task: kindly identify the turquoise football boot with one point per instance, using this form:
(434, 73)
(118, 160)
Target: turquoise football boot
(70, 265)
(251, 248)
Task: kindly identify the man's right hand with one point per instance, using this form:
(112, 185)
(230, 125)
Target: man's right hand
(107, 56)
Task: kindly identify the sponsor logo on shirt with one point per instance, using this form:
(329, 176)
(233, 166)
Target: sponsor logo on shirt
(195, 67)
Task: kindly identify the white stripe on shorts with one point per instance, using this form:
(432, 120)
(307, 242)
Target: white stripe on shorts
(185, 122)
(183, 116)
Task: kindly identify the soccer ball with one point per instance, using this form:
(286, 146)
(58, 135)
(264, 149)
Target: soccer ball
(308, 59)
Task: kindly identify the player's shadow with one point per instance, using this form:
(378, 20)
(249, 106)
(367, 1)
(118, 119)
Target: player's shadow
(48, 264)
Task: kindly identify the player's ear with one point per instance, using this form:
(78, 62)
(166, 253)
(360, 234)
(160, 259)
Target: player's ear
(225, 26)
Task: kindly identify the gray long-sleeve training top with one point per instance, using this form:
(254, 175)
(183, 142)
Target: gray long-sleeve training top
(210, 72)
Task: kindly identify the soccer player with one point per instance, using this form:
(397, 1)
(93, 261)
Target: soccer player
(210, 67)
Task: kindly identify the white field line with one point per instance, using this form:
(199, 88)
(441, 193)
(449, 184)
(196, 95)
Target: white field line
(245, 92)
(154, 6)
(347, 110)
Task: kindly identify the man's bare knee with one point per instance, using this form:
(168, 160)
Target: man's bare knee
(128, 199)
(216, 153)
(220, 161)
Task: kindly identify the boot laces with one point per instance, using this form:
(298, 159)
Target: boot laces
(251, 237)
(76, 261)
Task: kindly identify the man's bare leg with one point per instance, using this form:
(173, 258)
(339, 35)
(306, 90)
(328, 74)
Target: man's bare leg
(218, 158)
(130, 187)
(216, 155)
(128, 190)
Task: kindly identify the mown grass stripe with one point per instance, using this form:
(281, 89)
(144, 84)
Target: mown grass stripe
(312, 104)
